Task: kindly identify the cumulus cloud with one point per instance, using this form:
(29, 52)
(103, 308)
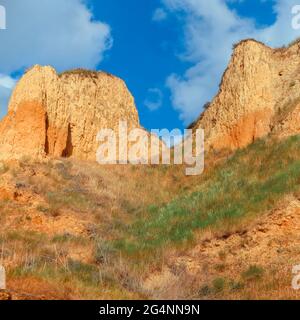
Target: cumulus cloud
(210, 29)
(57, 32)
(154, 100)
(61, 33)
(7, 82)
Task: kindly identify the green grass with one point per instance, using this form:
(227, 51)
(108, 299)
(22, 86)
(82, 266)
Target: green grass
(219, 285)
(86, 274)
(68, 198)
(248, 184)
(69, 238)
(253, 273)
(29, 239)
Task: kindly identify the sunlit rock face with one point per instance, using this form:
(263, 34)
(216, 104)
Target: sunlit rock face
(59, 115)
(259, 95)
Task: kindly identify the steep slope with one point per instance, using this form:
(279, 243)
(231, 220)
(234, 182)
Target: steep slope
(76, 230)
(61, 114)
(255, 262)
(259, 94)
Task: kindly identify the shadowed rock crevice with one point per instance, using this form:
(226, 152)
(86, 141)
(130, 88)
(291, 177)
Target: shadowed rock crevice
(47, 138)
(68, 151)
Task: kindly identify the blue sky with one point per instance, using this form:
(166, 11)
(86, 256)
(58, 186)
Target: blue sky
(143, 54)
(171, 53)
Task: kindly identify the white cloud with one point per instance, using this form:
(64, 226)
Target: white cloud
(159, 15)
(6, 85)
(61, 33)
(210, 29)
(7, 82)
(57, 32)
(154, 100)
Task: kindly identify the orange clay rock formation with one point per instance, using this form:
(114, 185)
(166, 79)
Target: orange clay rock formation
(60, 114)
(259, 95)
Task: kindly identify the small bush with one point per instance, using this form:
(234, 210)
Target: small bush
(219, 285)
(205, 291)
(81, 73)
(253, 273)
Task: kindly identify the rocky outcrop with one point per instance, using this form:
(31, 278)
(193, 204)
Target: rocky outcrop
(259, 95)
(60, 115)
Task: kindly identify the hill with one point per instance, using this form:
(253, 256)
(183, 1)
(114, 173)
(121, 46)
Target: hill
(69, 228)
(72, 229)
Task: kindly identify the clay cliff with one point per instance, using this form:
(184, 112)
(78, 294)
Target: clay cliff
(53, 114)
(259, 95)
(59, 115)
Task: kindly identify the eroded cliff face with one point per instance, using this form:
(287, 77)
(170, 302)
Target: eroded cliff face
(259, 94)
(60, 115)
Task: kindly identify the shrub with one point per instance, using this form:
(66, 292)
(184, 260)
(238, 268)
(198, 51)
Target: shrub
(205, 291)
(253, 273)
(235, 286)
(219, 285)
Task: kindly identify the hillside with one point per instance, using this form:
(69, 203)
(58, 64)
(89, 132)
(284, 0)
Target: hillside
(69, 228)
(59, 219)
(73, 229)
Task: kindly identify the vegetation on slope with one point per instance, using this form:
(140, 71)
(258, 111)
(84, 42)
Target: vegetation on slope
(248, 184)
(84, 231)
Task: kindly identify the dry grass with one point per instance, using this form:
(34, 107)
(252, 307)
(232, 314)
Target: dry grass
(40, 242)
(80, 230)
(84, 73)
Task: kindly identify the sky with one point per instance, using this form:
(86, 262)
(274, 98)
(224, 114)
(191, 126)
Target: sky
(171, 53)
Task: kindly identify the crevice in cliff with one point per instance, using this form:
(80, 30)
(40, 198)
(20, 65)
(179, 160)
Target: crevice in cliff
(68, 151)
(46, 136)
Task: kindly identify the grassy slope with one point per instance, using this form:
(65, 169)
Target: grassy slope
(246, 185)
(130, 219)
